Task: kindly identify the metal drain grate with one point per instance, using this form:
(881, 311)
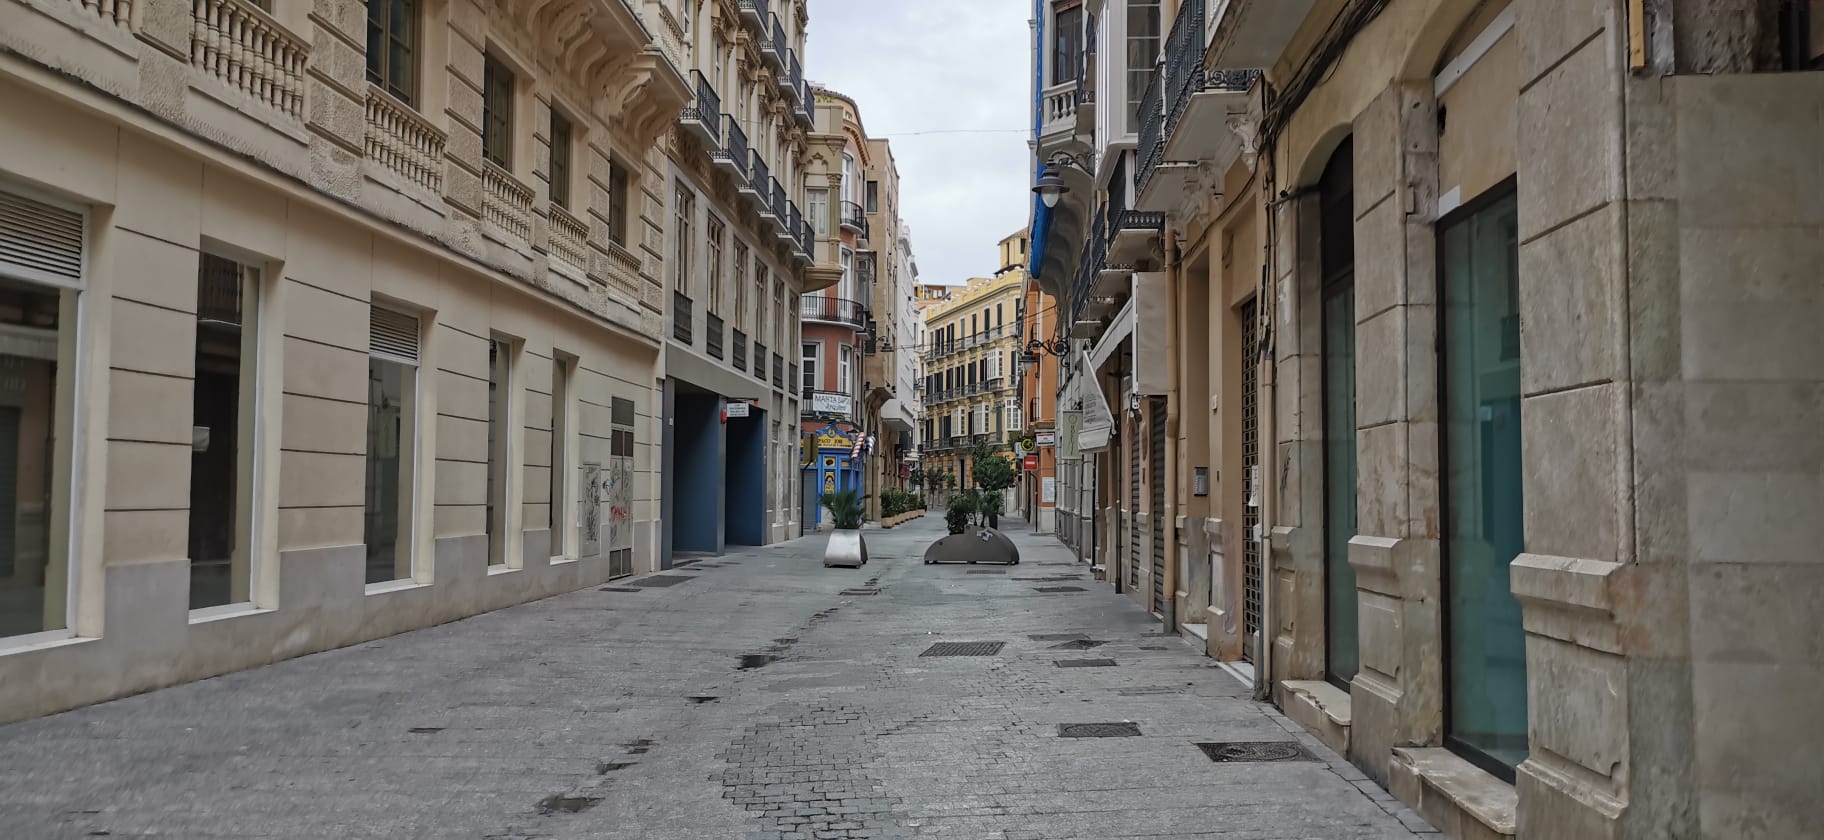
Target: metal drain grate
(964, 649)
(861, 592)
(663, 580)
(1085, 663)
(1053, 590)
(1079, 644)
(1059, 637)
(1235, 752)
(1098, 730)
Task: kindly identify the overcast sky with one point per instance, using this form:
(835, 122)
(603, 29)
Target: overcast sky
(939, 66)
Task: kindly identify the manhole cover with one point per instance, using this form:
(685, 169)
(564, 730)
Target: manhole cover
(1058, 637)
(1242, 751)
(987, 571)
(1053, 590)
(964, 649)
(664, 580)
(861, 592)
(1098, 730)
(618, 589)
(1085, 663)
(1079, 644)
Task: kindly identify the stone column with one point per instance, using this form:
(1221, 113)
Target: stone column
(1397, 696)
(1295, 569)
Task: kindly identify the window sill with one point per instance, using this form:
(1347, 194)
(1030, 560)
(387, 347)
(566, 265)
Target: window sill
(502, 569)
(1451, 793)
(564, 561)
(46, 640)
(388, 586)
(224, 612)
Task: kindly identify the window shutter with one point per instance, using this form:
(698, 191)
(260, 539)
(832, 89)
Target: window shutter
(392, 335)
(41, 242)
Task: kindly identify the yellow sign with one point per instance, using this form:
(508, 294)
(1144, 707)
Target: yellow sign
(832, 439)
(829, 483)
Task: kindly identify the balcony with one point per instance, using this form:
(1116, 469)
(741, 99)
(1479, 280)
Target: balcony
(732, 153)
(1151, 148)
(402, 141)
(244, 48)
(792, 81)
(1059, 121)
(853, 219)
(789, 220)
(740, 351)
(681, 317)
(801, 233)
(712, 339)
(505, 202)
(753, 13)
(760, 185)
(1215, 102)
(832, 310)
(569, 241)
(778, 371)
(702, 116)
(1253, 33)
(772, 46)
(780, 213)
(806, 102)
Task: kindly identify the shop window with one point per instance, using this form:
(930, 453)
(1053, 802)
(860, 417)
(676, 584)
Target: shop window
(223, 408)
(561, 366)
(500, 448)
(392, 443)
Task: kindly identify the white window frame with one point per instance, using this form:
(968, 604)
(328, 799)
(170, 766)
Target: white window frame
(845, 364)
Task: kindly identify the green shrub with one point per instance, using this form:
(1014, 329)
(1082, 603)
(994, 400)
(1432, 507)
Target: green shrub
(847, 507)
(960, 511)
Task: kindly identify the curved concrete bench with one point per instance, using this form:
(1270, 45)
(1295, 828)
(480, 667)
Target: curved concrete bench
(974, 545)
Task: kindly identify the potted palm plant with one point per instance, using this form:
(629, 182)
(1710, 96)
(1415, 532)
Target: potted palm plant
(846, 548)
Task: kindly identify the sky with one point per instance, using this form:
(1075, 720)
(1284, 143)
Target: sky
(940, 66)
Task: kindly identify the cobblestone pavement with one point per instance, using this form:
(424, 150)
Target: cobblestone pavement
(756, 701)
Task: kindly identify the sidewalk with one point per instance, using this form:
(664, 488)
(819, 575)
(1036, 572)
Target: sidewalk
(756, 699)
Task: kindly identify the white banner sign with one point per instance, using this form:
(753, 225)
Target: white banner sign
(828, 403)
(1048, 438)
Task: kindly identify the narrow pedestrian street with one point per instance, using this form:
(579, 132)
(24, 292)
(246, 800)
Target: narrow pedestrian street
(756, 695)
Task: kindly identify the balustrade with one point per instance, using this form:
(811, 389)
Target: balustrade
(505, 202)
(236, 42)
(117, 12)
(399, 139)
(569, 239)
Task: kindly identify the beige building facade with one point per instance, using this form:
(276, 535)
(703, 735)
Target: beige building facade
(1484, 467)
(972, 371)
(312, 346)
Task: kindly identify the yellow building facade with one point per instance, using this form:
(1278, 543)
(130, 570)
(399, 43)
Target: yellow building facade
(971, 369)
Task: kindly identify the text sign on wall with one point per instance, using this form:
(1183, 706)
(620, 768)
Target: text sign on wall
(1048, 438)
(739, 410)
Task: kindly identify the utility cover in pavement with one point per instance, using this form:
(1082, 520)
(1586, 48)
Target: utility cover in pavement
(1079, 644)
(1086, 663)
(1058, 637)
(1057, 589)
(861, 592)
(964, 649)
(664, 580)
(1098, 730)
(1245, 751)
(619, 589)
(987, 571)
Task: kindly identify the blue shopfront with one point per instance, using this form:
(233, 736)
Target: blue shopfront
(827, 467)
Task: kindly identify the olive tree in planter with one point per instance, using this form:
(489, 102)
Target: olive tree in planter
(846, 548)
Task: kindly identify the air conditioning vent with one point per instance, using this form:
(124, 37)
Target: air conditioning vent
(393, 335)
(39, 241)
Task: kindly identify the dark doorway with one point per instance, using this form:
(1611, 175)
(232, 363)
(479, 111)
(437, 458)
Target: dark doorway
(1342, 654)
(744, 479)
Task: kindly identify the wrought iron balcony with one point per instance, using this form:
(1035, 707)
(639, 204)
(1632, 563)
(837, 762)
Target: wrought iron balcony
(740, 351)
(753, 12)
(778, 371)
(733, 153)
(703, 114)
(1151, 148)
(789, 219)
(772, 48)
(762, 183)
(832, 310)
(854, 219)
(780, 213)
(759, 361)
(790, 81)
(712, 340)
(806, 103)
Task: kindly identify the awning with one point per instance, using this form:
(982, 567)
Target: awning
(1118, 331)
(1098, 420)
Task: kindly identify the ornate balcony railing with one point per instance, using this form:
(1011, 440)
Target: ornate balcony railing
(712, 337)
(1151, 148)
(117, 12)
(806, 103)
(681, 317)
(789, 81)
(1095, 253)
(236, 42)
(740, 351)
(778, 199)
(401, 140)
(733, 152)
(704, 111)
(832, 310)
(1183, 60)
(763, 183)
(505, 202)
(779, 50)
(569, 239)
(854, 219)
(797, 226)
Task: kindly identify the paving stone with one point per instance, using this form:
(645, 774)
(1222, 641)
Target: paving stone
(844, 732)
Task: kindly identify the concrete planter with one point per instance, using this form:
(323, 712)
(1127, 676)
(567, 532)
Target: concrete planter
(846, 549)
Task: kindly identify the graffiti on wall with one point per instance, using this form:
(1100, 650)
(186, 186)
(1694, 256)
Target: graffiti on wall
(617, 497)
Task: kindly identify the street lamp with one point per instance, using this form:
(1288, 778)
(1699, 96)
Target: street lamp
(1051, 187)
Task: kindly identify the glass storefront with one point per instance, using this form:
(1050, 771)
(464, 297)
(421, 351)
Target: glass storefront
(36, 351)
(1486, 665)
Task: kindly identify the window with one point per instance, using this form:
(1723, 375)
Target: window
(809, 355)
(41, 279)
(496, 113)
(1802, 34)
(873, 201)
(560, 160)
(1067, 44)
(819, 202)
(999, 314)
(846, 288)
(686, 206)
(848, 177)
(779, 336)
(223, 409)
(500, 365)
(617, 203)
(740, 313)
(717, 233)
(392, 443)
(620, 450)
(844, 363)
(559, 468)
(392, 38)
(1015, 421)
(1142, 54)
